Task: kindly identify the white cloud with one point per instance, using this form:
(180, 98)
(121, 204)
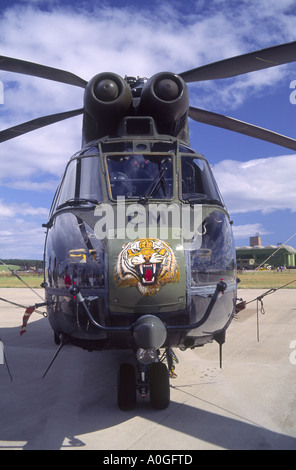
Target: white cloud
(248, 230)
(41, 153)
(28, 185)
(21, 233)
(22, 239)
(13, 210)
(263, 185)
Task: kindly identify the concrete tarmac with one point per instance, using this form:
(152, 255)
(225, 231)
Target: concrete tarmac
(248, 404)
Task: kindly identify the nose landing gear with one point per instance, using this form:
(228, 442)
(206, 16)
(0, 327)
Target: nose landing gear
(153, 379)
(159, 386)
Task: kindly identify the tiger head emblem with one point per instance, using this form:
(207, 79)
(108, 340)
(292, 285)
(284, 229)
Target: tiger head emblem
(148, 264)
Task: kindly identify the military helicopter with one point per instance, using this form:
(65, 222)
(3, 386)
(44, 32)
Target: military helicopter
(139, 252)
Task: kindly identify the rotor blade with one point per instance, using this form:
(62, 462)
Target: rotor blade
(29, 126)
(10, 64)
(241, 127)
(258, 60)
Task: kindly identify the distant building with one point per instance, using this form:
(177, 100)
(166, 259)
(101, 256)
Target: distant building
(256, 241)
(250, 257)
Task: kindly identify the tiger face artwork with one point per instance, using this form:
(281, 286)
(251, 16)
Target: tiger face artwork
(148, 264)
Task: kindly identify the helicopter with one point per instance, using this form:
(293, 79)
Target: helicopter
(139, 252)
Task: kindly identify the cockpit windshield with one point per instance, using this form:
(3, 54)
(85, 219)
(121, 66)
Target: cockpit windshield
(140, 176)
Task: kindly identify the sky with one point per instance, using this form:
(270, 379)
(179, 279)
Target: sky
(257, 179)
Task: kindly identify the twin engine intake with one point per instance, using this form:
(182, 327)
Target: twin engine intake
(109, 98)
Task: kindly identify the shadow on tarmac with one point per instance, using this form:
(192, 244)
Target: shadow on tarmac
(78, 397)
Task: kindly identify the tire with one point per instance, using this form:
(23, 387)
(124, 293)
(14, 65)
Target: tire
(57, 339)
(127, 387)
(159, 386)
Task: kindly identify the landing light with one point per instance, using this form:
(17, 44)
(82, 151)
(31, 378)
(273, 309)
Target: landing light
(146, 356)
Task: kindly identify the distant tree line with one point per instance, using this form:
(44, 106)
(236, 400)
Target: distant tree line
(24, 263)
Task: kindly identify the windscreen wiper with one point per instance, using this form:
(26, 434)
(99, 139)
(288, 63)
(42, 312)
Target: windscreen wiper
(152, 190)
(76, 201)
(201, 199)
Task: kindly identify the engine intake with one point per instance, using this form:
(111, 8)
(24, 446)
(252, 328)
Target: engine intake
(107, 100)
(165, 98)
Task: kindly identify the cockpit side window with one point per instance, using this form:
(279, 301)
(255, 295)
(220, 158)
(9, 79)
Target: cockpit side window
(68, 184)
(81, 181)
(90, 182)
(198, 183)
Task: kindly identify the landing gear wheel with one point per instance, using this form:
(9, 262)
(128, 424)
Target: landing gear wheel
(127, 387)
(57, 339)
(159, 386)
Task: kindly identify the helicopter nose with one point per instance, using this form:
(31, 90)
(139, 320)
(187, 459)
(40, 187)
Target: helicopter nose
(149, 332)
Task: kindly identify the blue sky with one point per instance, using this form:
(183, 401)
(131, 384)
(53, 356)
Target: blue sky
(257, 179)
